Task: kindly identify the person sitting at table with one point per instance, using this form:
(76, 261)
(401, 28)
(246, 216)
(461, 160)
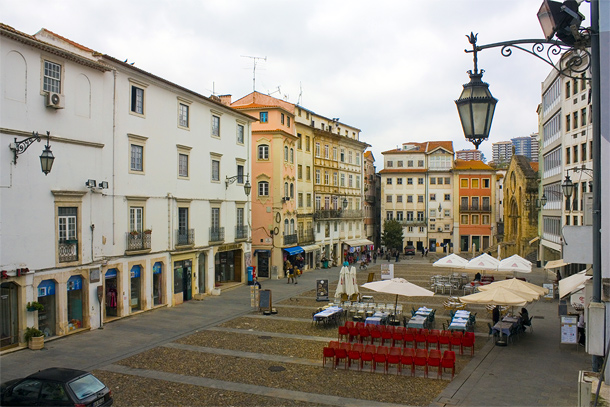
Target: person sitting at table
(495, 314)
(477, 277)
(524, 318)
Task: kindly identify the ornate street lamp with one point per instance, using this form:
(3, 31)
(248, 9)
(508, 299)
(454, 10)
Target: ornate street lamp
(476, 105)
(247, 186)
(567, 187)
(46, 158)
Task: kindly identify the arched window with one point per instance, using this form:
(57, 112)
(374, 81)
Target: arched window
(286, 227)
(291, 155)
(292, 226)
(285, 153)
(291, 190)
(286, 189)
(263, 188)
(263, 152)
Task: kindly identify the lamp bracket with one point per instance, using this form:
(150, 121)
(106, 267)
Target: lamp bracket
(19, 147)
(577, 62)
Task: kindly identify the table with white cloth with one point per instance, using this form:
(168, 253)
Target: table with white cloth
(503, 327)
(327, 314)
(378, 318)
(460, 321)
(417, 321)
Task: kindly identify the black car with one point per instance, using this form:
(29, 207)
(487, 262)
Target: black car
(410, 250)
(56, 386)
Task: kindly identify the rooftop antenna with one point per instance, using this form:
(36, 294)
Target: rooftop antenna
(254, 70)
(300, 93)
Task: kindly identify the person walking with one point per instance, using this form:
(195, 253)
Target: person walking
(375, 257)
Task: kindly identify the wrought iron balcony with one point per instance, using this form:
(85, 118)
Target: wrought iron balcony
(475, 208)
(138, 241)
(290, 239)
(185, 237)
(415, 222)
(327, 214)
(306, 236)
(241, 232)
(353, 213)
(67, 250)
(217, 234)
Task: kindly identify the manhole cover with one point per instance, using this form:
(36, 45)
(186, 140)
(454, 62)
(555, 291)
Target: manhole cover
(276, 368)
(264, 337)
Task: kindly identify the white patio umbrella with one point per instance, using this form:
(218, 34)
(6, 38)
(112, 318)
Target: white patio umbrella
(341, 288)
(517, 285)
(499, 296)
(573, 283)
(398, 286)
(452, 260)
(353, 280)
(483, 262)
(515, 263)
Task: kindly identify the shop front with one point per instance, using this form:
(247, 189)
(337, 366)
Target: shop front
(9, 315)
(356, 250)
(111, 293)
(157, 283)
(228, 264)
(311, 252)
(75, 303)
(183, 281)
(293, 256)
(47, 318)
(135, 284)
(263, 257)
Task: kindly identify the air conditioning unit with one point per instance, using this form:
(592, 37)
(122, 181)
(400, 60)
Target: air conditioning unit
(55, 100)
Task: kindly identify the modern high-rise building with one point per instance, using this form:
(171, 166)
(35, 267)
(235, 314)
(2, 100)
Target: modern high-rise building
(502, 151)
(468, 155)
(527, 146)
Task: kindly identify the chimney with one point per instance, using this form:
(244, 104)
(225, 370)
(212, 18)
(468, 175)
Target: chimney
(225, 100)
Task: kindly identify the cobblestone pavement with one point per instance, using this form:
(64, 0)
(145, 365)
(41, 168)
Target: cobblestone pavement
(218, 352)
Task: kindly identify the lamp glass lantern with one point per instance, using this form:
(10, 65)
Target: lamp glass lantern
(344, 203)
(247, 187)
(476, 107)
(567, 187)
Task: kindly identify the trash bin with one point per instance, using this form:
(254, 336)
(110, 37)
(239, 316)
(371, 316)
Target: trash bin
(325, 264)
(250, 271)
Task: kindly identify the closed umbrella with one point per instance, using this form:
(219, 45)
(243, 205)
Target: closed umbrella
(517, 285)
(354, 280)
(398, 286)
(341, 284)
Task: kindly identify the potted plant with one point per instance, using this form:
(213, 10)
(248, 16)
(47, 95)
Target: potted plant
(34, 306)
(34, 337)
(134, 233)
(148, 231)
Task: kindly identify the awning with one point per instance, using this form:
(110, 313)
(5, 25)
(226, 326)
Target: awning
(534, 239)
(294, 250)
(310, 248)
(262, 251)
(573, 283)
(555, 264)
(358, 242)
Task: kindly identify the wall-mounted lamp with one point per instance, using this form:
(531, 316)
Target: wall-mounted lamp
(46, 158)
(239, 178)
(568, 186)
(96, 186)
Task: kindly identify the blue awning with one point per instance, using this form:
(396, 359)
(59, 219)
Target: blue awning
(294, 250)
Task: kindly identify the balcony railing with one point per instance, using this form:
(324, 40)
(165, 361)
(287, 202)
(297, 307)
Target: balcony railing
(327, 214)
(306, 236)
(241, 232)
(138, 241)
(290, 239)
(415, 222)
(217, 234)
(353, 213)
(185, 237)
(475, 208)
(67, 251)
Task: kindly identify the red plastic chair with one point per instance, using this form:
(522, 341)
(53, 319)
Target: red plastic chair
(349, 324)
(381, 356)
(413, 331)
(434, 360)
(343, 333)
(340, 354)
(409, 339)
(444, 339)
(398, 339)
(367, 356)
(467, 342)
(364, 335)
(448, 362)
(400, 329)
(346, 345)
(386, 336)
(327, 352)
(375, 335)
(424, 331)
(358, 347)
(408, 355)
(435, 332)
(421, 359)
(455, 342)
(354, 334)
(459, 334)
(393, 358)
(432, 340)
(360, 325)
(420, 341)
(334, 344)
(354, 355)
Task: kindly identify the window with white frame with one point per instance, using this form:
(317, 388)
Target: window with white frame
(137, 158)
(240, 134)
(183, 165)
(66, 218)
(342, 180)
(292, 156)
(317, 176)
(240, 173)
(215, 170)
(350, 180)
(215, 126)
(318, 203)
(263, 188)
(317, 149)
(263, 152)
(183, 115)
(52, 77)
(136, 219)
(326, 151)
(137, 99)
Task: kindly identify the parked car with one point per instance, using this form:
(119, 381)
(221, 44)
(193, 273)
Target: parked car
(56, 386)
(410, 250)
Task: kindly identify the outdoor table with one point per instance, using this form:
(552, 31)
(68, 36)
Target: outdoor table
(503, 327)
(462, 314)
(417, 322)
(458, 324)
(512, 320)
(327, 313)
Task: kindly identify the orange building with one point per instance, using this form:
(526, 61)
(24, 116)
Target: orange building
(474, 183)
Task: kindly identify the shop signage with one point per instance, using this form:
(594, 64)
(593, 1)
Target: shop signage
(94, 275)
(75, 283)
(46, 287)
(18, 272)
(157, 268)
(111, 273)
(135, 272)
(229, 247)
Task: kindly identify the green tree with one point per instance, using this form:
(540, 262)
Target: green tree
(392, 235)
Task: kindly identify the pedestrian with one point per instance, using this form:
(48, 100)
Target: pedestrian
(423, 251)
(375, 257)
(397, 256)
(426, 252)
(581, 329)
(257, 284)
(495, 315)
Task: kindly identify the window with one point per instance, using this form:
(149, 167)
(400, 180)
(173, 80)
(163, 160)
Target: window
(398, 181)
(215, 170)
(409, 198)
(342, 180)
(410, 163)
(349, 157)
(568, 155)
(575, 154)
(137, 100)
(318, 203)
(447, 213)
(285, 153)
(263, 152)
(326, 178)
(463, 182)
(239, 217)
(317, 151)
(464, 219)
(388, 198)
(485, 182)
(420, 198)
(326, 151)
(66, 218)
(388, 181)
(447, 197)
(52, 77)
(263, 117)
(183, 165)
(282, 118)
(136, 222)
(409, 181)
(575, 121)
(300, 200)
(350, 180)
(464, 203)
(389, 215)
(475, 219)
(342, 155)
(183, 223)
(357, 158)
(183, 115)
(288, 123)
(447, 180)
(432, 214)
(389, 164)
(475, 203)
(292, 156)
(420, 181)
(420, 163)
(399, 215)
(308, 173)
(240, 134)
(137, 157)
(335, 179)
(215, 219)
(286, 192)
(410, 216)
(399, 163)
(335, 153)
(568, 122)
(485, 219)
(568, 84)
(420, 216)
(240, 174)
(440, 181)
(432, 181)
(399, 198)
(474, 183)
(299, 171)
(291, 190)
(433, 197)
(317, 176)
(358, 181)
(583, 117)
(215, 126)
(308, 200)
(583, 151)
(299, 141)
(263, 188)
(307, 148)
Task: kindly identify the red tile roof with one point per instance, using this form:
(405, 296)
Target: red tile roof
(534, 166)
(426, 147)
(471, 165)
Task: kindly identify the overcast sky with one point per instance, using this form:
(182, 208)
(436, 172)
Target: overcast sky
(390, 68)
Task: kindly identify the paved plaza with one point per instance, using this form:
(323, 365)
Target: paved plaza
(218, 352)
